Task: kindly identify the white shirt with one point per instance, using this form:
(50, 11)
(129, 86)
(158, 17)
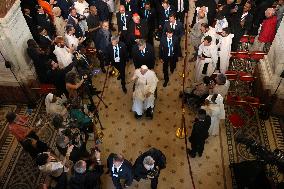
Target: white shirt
(170, 40)
(221, 24)
(209, 51)
(173, 25)
(180, 6)
(71, 40)
(211, 32)
(116, 49)
(81, 7)
(63, 56)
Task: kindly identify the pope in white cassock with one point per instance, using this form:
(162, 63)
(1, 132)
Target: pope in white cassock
(143, 95)
(214, 107)
(225, 43)
(207, 59)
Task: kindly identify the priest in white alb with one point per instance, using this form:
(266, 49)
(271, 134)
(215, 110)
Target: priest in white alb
(207, 59)
(224, 45)
(144, 92)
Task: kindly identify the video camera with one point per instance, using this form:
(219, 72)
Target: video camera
(273, 158)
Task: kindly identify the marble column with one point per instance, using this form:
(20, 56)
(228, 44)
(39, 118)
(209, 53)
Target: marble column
(273, 64)
(14, 34)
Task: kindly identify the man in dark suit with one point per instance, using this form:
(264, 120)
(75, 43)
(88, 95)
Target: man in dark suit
(93, 22)
(182, 7)
(73, 19)
(165, 12)
(138, 29)
(199, 133)
(31, 22)
(45, 41)
(143, 54)
(241, 23)
(102, 42)
(120, 169)
(123, 18)
(64, 5)
(168, 54)
(178, 30)
(148, 166)
(149, 14)
(130, 5)
(87, 173)
(102, 8)
(118, 56)
(44, 21)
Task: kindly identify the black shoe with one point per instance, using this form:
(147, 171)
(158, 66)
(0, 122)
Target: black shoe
(124, 89)
(118, 78)
(103, 70)
(149, 113)
(165, 84)
(137, 116)
(199, 154)
(191, 153)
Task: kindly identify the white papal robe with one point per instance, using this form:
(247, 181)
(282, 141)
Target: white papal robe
(144, 84)
(224, 45)
(211, 53)
(217, 112)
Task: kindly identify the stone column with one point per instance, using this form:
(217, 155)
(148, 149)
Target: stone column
(14, 34)
(273, 64)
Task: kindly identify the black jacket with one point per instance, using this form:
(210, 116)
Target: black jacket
(125, 171)
(120, 23)
(71, 21)
(88, 180)
(163, 17)
(178, 31)
(123, 54)
(44, 21)
(101, 42)
(139, 170)
(130, 7)
(148, 59)
(102, 8)
(200, 131)
(164, 48)
(152, 18)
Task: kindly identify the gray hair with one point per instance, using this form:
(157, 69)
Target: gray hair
(141, 42)
(115, 38)
(148, 160)
(60, 141)
(221, 78)
(80, 166)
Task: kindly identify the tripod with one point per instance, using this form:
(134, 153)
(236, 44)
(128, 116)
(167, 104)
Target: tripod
(92, 108)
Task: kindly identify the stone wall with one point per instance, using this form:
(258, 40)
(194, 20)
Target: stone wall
(14, 34)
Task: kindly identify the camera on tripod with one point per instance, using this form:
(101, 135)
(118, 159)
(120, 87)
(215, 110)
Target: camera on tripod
(268, 157)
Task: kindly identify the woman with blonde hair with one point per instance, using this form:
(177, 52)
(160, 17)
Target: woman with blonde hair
(59, 22)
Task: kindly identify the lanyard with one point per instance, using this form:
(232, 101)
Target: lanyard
(170, 46)
(116, 51)
(123, 19)
(146, 14)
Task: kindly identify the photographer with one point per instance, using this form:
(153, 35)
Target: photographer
(75, 138)
(148, 166)
(72, 85)
(54, 169)
(87, 173)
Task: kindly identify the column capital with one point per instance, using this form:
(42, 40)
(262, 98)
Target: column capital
(5, 6)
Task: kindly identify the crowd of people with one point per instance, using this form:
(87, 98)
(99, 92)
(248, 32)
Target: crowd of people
(69, 34)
